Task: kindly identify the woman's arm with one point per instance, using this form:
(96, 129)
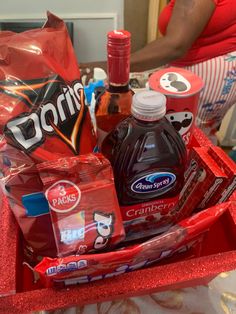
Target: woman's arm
(188, 20)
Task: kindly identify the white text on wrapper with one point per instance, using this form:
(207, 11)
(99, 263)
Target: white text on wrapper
(104, 225)
(53, 113)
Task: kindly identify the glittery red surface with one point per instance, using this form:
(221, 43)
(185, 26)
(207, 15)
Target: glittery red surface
(8, 249)
(199, 139)
(233, 197)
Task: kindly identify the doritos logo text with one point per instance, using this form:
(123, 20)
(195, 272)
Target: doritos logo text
(57, 105)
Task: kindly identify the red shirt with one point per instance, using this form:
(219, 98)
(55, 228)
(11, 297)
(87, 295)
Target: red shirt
(218, 37)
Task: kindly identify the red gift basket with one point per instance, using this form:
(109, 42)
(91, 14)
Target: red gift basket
(21, 292)
(191, 252)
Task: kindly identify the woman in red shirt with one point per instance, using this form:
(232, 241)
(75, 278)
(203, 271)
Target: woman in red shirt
(199, 35)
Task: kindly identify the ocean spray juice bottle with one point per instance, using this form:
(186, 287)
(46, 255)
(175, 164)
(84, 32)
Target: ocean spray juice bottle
(148, 157)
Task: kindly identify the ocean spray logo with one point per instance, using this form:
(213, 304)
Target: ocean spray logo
(158, 183)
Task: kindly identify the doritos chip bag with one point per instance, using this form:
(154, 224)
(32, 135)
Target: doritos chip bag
(42, 117)
(41, 98)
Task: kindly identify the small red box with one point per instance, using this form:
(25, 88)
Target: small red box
(229, 166)
(19, 293)
(204, 181)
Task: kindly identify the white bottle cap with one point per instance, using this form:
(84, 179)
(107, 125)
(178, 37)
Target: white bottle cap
(99, 74)
(148, 105)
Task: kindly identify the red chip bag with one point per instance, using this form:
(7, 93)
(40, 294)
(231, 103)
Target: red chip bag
(83, 204)
(42, 107)
(42, 117)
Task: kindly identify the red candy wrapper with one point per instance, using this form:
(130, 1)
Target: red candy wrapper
(81, 269)
(42, 108)
(83, 204)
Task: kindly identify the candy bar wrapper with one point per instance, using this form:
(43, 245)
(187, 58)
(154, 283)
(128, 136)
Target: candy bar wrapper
(229, 166)
(83, 204)
(75, 269)
(204, 179)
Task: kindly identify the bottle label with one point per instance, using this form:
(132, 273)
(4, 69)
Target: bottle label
(157, 182)
(156, 208)
(149, 218)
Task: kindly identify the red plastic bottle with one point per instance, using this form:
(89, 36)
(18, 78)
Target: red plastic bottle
(148, 158)
(114, 104)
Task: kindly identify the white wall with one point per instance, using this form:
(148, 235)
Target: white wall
(92, 20)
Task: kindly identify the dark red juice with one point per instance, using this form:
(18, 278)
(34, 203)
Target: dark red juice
(148, 157)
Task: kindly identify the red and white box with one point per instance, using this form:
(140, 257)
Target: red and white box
(229, 167)
(204, 180)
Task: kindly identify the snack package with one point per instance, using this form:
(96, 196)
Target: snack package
(42, 110)
(42, 117)
(182, 89)
(19, 178)
(204, 180)
(74, 269)
(83, 204)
